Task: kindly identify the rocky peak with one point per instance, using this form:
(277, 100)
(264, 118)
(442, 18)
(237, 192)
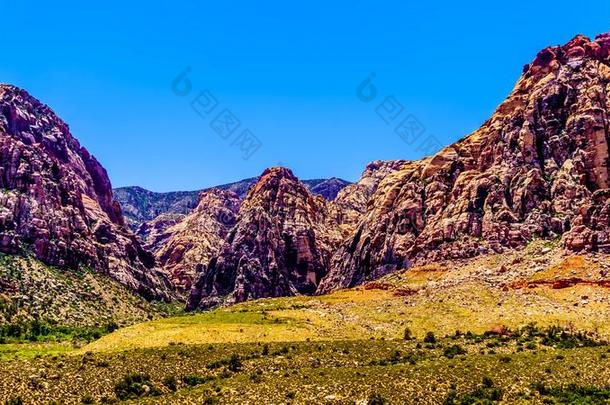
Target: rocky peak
(279, 246)
(538, 168)
(190, 243)
(56, 199)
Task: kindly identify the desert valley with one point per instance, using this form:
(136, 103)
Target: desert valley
(479, 274)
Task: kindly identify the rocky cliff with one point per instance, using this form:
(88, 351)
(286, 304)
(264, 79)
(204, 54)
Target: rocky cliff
(280, 245)
(190, 243)
(56, 200)
(538, 168)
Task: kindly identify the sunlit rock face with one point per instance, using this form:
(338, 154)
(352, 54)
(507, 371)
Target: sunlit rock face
(538, 168)
(281, 245)
(56, 200)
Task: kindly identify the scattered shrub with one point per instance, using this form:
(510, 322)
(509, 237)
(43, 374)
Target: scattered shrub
(376, 399)
(170, 383)
(235, 363)
(454, 350)
(135, 386)
(193, 380)
(429, 338)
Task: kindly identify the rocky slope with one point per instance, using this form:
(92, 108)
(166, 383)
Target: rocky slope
(56, 200)
(141, 206)
(538, 168)
(190, 243)
(280, 245)
(350, 204)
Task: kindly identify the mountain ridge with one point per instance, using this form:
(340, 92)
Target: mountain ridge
(141, 205)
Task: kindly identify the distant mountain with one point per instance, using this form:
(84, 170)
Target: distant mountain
(140, 205)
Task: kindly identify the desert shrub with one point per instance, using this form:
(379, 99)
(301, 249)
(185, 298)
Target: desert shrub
(574, 394)
(408, 335)
(429, 338)
(486, 393)
(14, 401)
(376, 399)
(134, 386)
(235, 363)
(193, 380)
(454, 350)
(170, 382)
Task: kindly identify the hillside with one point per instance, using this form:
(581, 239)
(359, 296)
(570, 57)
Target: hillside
(512, 320)
(56, 200)
(31, 290)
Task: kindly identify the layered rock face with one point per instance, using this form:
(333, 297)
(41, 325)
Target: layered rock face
(280, 245)
(189, 244)
(350, 204)
(56, 200)
(537, 169)
(154, 234)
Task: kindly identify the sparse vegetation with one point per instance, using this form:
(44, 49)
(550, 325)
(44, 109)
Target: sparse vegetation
(134, 386)
(341, 347)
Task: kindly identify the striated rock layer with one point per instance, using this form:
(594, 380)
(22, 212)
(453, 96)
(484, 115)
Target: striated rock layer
(56, 200)
(191, 242)
(537, 169)
(280, 245)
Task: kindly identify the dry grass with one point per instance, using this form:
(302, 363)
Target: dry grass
(321, 348)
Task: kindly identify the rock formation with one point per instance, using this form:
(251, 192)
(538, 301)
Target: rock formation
(350, 204)
(538, 168)
(190, 243)
(56, 200)
(142, 207)
(279, 246)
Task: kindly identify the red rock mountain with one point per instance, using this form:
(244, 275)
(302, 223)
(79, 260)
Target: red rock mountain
(56, 200)
(281, 245)
(191, 242)
(538, 168)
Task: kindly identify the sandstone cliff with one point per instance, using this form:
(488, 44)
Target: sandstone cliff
(538, 168)
(280, 245)
(56, 200)
(192, 242)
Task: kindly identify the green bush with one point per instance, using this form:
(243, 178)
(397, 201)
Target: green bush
(193, 380)
(454, 350)
(487, 393)
(574, 394)
(134, 386)
(235, 363)
(170, 383)
(376, 399)
(429, 338)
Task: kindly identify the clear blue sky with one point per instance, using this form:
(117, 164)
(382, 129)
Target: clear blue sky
(287, 70)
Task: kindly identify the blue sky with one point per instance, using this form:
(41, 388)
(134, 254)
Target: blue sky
(287, 71)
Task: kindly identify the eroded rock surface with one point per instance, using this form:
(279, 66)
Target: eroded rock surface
(56, 200)
(189, 244)
(280, 245)
(538, 168)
